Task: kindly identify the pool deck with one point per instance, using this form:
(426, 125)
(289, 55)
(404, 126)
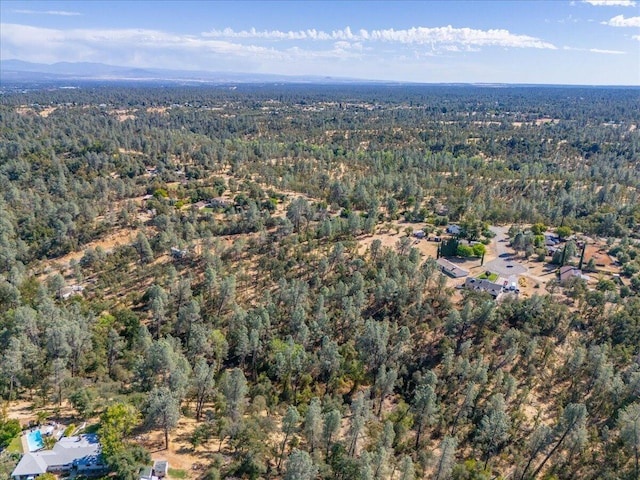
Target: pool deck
(25, 444)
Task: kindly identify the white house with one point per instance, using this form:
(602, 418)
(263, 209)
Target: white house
(81, 453)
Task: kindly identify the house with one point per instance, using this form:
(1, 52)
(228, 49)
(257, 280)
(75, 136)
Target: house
(569, 271)
(161, 468)
(484, 285)
(199, 205)
(453, 230)
(451, 269)
(219, 202)
(177, 253)
(67, 292)
(419, 234)
(81, 454)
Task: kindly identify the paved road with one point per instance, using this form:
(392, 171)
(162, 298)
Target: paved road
(505, 264)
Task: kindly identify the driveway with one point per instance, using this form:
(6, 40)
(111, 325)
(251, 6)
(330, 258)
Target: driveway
(505, 264)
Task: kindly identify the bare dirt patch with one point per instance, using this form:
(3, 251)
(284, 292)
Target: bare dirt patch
(157, 109)
(604, 263)
(123, 115)
(108, 243)
(45, 112)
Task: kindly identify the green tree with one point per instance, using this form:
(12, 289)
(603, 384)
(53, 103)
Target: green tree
(163, 411)
(407, 471)
(494, 427)
(563, 232)
(127, 462)
(572, 422)
(11, 363)
(144, 248)
(330, 427)
(425, 410)
(290, 423)
(629, 425)
(83, 401)
(9, 429)
(235, 390)
(116, 424)
(464, 251)
(313, 424)
(203, 384)
(299, 466)
(446, 459)
(479, 249)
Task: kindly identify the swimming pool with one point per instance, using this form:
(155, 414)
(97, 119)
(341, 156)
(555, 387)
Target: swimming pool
(34, 440)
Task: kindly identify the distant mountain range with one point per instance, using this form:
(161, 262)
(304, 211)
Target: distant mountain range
(18, 71)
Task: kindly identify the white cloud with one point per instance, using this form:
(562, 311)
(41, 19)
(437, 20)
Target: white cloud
(594, 50)
(413, 36)
(62, 13)
(636, 37)
(621, 21)
(154, 48)
(139, 47)
(608, 52)
(611, 3)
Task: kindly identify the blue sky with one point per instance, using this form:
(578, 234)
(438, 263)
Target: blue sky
(588, 42)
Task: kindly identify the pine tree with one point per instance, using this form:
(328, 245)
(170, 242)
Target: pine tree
(313, 424)
(289, 427)
(299, 466)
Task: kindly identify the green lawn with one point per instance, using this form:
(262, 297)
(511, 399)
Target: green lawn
(15, 446)
(492, 277)
(177, 473)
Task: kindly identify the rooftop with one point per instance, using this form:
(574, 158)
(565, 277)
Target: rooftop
(83, 449)
(451, 268)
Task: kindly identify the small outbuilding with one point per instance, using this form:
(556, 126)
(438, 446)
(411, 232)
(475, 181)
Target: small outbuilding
(161, 468)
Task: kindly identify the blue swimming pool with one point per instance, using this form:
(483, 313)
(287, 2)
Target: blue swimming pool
(34, 439)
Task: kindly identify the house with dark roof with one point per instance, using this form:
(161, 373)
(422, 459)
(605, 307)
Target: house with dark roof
(81, 454)
(484, 285)
(161, 468)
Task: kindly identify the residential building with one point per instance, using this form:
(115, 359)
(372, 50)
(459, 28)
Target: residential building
(568, 272)
(451, 269)
(81, 454)
(484, 285)
(453, 230)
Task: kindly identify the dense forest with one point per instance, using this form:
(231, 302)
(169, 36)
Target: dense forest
(243, 309)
